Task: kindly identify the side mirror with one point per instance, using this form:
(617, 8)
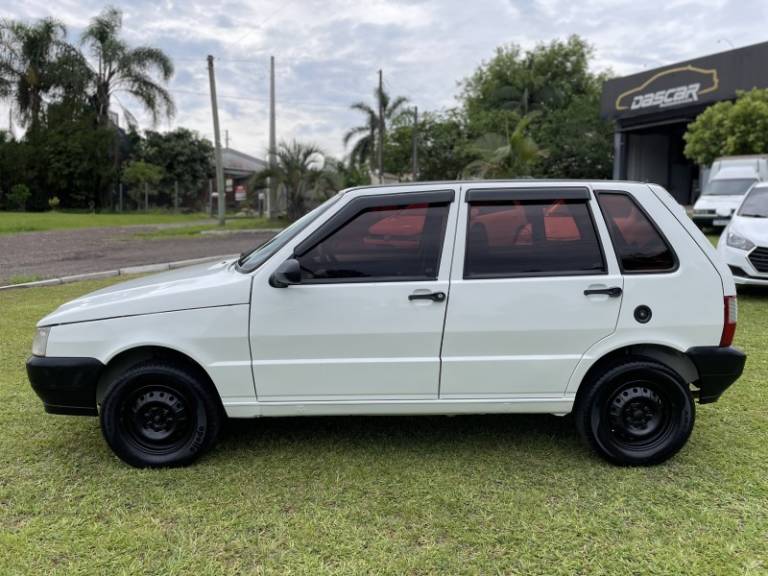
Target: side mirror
(287, 273)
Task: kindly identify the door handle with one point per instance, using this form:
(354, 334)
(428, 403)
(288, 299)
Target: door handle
(434, 296)
(613, 292)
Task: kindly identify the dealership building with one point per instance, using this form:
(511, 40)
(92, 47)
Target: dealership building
(652, 109)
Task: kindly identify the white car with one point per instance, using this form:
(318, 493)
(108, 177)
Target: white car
(744, 243)
(722, 196)
(597, 298)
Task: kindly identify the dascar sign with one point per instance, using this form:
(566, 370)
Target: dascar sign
(685, 88)
(688, 83)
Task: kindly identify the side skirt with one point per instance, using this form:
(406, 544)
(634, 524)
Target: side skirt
(254, 409)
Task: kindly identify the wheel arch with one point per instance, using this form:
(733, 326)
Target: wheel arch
(132, 356)
(670, 357)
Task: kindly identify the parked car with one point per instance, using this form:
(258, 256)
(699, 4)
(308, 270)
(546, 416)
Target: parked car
(743, 245)
(602, 299)
(722, 195)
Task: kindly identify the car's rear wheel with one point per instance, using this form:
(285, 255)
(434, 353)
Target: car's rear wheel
(156, 414)
(637, 413)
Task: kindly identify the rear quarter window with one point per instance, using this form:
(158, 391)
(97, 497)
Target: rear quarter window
(638, 243)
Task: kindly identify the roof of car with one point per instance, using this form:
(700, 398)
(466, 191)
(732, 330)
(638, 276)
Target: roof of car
(501, 183)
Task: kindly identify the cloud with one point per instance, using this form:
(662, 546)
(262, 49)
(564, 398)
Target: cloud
(328, 52)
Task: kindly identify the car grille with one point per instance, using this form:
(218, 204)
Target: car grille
(759, 259)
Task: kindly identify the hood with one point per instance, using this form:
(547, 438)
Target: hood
(723, 205)
(753, 229)
(201, 286)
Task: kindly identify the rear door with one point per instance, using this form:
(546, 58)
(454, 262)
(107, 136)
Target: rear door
(532, 288)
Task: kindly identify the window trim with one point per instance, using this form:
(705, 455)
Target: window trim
(504, 195)
(675, 267)
(359, 205)
(577, 198)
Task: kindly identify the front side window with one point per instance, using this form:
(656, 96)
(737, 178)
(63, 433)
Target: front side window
(639, 246)
(382, 243)
(531, 238)
(755, 205)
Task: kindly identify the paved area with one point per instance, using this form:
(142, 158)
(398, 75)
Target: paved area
(67, 252)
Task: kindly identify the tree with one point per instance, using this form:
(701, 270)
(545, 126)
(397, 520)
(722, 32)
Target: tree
(366, 135)
(143, 178)
(33, 62)
(300, 170)
(729, 129)
(186, 159)
(554, 82)
(119, 68)
(510, 156)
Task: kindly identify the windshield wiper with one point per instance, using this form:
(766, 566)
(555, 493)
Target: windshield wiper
(754, 215)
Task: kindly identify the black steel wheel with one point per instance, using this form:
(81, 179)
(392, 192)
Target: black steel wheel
(157, 415)
(636, 413)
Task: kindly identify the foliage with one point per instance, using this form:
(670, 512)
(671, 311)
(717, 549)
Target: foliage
(143, 178)
(729, 129)
(366, 136)
(185, 157)
(140, 72)
(299, 170)
(500, 156)
(18, 196)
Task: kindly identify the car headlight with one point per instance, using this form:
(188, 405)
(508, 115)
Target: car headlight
(40, 342)
(736, 241)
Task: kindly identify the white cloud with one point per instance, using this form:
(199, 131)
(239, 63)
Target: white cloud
(328, 51)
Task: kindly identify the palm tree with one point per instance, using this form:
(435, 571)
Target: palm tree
(367, 134)
(300, 169)
(34, 62)
(119, 68)
(508, 156)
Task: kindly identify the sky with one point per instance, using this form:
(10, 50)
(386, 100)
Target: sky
(328, 52)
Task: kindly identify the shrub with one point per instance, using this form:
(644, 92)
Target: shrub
(17, 198)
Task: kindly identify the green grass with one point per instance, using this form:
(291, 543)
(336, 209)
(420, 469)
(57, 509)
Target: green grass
(420, 495)
(15, 222)
(231, 224)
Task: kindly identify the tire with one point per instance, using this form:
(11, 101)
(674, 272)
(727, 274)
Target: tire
(157, 414)
(636, 414)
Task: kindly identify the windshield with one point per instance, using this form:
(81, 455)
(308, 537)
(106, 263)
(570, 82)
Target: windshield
(735, 187)
(249, 261)
(755, 205)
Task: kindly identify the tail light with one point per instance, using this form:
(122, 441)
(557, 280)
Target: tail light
(729, 321)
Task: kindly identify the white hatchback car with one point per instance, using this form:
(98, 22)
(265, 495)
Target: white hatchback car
(598, 298)
(744, 243)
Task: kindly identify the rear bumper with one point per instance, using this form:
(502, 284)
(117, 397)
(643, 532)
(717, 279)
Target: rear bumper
(718, 369)
(65, 385)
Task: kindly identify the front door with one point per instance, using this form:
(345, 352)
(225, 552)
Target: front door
(366, 321)
(532, 290)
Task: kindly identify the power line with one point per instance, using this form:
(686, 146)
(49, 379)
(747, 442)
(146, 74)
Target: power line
(257, 99)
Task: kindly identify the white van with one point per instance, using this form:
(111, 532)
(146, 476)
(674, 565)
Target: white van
(597, 298)
(729, 179)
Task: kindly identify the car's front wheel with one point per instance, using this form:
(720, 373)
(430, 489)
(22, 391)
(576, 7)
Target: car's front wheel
(156, 414)
(637, 413)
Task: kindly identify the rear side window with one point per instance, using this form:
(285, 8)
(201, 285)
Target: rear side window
(381, 244)
(639, 245)
(531, 238)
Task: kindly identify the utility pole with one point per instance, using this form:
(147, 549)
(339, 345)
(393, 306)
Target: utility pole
(226, 139)
(381, 127)
(175, 195)
(222, 196)
(271, 184)
(415, 150)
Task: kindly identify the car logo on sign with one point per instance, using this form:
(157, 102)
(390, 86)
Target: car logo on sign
(672, 87)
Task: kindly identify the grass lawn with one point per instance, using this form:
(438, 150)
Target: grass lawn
(15, 222)
(416, 495)
(232, 224)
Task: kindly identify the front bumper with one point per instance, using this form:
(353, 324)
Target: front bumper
(742, 268)
(65, 385)
(718, 369)
(708, 220)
